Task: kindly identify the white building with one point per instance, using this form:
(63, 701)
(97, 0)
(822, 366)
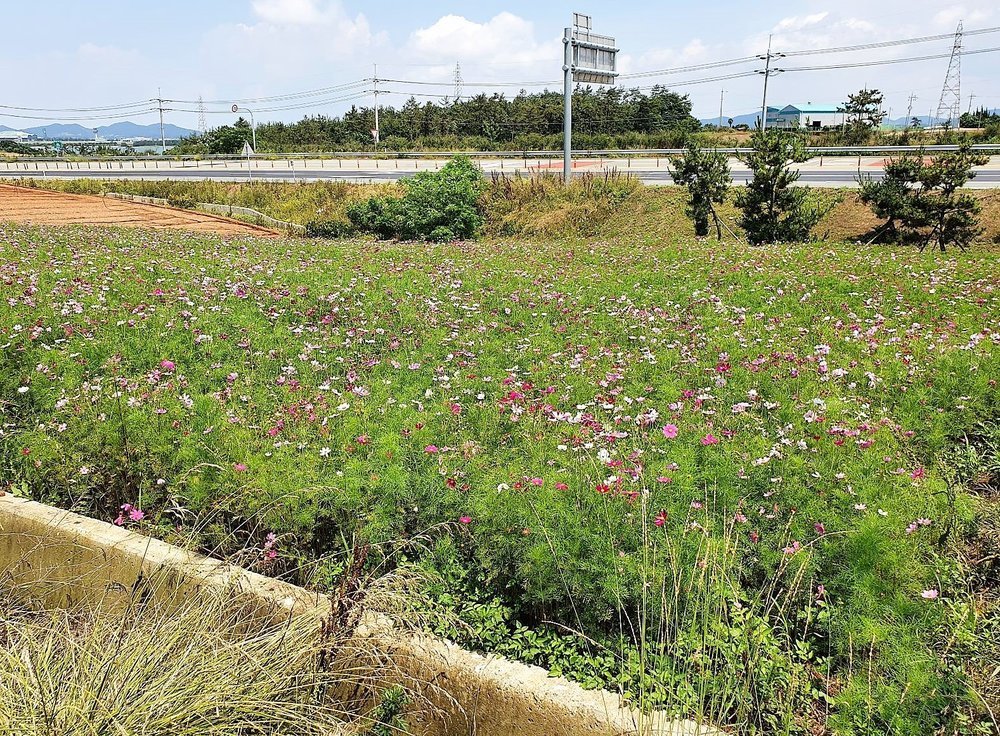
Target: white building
(16, 135)
(809, 116)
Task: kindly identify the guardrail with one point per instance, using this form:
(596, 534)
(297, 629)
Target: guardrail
(580, 153)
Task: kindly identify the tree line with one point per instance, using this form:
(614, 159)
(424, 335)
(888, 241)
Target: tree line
(607, 117)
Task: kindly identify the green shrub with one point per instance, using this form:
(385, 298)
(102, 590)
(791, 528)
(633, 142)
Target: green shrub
(437, 206)
(328, 229)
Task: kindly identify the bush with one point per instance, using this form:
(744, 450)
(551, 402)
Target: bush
(773, 210)
(328, 229)
(439, 206)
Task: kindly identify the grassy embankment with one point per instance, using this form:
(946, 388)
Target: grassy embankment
(757, 478)
(596, 206)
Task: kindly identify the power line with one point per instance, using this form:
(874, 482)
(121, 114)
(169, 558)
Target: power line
(691, 68)
(883, 62)
(886, 44)
(283, 97)
(123, 106)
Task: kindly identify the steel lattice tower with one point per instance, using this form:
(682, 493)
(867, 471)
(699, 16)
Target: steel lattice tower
(202, 122)
(950, 106)
(459, 83)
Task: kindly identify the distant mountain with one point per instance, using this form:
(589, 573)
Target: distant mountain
(4, 127)
(750, 119)
(135, 130)
(62, 131)
(115, 131)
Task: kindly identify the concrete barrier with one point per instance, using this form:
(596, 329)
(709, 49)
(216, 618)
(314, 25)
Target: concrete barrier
(60, 559)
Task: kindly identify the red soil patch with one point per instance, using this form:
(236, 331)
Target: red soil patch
(40, 207)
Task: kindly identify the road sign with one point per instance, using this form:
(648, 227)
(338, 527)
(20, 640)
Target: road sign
(589, 58)
(247, 149)
(236, 108)
(595, 57)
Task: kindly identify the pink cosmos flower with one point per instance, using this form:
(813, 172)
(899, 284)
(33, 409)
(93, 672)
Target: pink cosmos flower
(562, 486)
(431, 449)
(537, 481)
(239, 467)
(168, 365)
(792, 548)
(465, 519)
(661, 518)
(456, 409)
(134, 513)
(709, 439)
(819, 527)
(930, 594)
(670, 431)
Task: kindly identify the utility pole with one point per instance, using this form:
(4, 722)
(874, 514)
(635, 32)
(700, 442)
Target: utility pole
(909, 109)
(972, 96)
(159, 105)
(722, 98)
(375, 80)
(567, 105)
(767, 74)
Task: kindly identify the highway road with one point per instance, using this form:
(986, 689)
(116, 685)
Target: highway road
(823, 172)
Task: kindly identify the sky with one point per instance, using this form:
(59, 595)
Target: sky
(99, 53)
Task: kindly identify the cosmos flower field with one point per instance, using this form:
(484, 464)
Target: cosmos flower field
(635, 438)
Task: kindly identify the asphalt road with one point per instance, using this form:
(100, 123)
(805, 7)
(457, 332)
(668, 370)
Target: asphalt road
(829, 176)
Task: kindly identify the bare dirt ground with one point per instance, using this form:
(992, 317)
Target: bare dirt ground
(40, 207)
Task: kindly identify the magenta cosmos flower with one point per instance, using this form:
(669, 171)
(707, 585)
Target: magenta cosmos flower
(670, 431)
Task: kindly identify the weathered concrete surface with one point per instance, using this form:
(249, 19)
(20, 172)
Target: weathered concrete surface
(61, 559)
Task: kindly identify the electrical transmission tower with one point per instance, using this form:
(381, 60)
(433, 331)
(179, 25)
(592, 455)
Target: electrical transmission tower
(949, 107)
(458, 82)
(202, 122)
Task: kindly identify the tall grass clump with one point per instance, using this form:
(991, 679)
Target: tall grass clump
(543, 205)
(202, 670)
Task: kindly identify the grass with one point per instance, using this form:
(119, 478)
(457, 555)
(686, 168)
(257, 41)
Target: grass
(516, 391)
(203, 669)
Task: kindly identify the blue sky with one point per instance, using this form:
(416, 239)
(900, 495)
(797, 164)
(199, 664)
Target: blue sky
(74, 54)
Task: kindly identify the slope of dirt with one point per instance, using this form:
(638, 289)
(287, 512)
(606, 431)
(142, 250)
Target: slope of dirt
(40, 207)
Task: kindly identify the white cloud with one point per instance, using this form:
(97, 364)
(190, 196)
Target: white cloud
(505, 40)
(288, 12)
(796, 23)
(290, 41)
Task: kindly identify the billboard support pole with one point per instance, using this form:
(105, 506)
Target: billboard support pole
(567, 106)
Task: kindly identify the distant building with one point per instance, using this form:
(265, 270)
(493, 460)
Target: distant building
(808, 116)
(16, 135)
